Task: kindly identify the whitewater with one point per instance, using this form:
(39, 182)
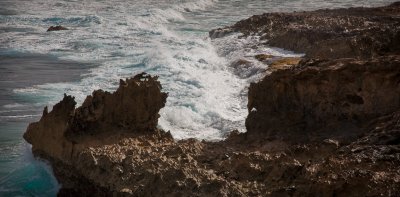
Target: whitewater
(110, 40)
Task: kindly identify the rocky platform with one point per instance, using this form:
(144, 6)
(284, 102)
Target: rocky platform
(327, 125)
(337, 33)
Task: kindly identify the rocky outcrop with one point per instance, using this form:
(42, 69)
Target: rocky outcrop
(57, 28)
(338, 33)
(130, 163)
(135, 107)
(349, 74)
(321, 126)
(320, 99)
(64, 133)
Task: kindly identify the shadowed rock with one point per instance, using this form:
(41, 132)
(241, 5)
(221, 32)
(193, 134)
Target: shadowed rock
(57, 28)
(320, 99)
(133, 108)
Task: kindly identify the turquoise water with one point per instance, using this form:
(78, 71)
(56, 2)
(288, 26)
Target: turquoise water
(109, 40)
(20, 173)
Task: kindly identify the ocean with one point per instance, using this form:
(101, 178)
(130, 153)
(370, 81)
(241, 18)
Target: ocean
(109, 40)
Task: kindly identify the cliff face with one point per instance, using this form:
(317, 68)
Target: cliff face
(135, 107)
(47, 135)
(122, 162)
(132, 162)
(62, 135)
(326, 126)
(320, 99)
(349, 75)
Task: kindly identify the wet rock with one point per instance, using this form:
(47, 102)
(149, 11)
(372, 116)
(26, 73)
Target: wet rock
(220, 32)
(57, 28)
(244, 68)
(282, 63)
(263, 57)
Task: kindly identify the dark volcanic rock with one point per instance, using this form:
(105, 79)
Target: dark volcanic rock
(57, 28)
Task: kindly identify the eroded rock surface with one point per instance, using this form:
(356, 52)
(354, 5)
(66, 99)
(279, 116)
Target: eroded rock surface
(153, 164)
(338, 33)
(319, 99)
(322, 127)
(134, 162)
(62, 135)
(348, 76)
(133, 107)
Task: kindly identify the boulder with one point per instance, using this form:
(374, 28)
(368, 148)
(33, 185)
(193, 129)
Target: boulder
(56, 28)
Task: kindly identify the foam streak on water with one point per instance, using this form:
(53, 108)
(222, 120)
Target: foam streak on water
(118, 39)
(166, 38)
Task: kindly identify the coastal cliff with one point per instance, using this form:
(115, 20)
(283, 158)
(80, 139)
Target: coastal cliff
(326, 126)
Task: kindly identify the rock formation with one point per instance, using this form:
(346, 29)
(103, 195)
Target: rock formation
(61, 135)
(338, 33)
(326, 126)
(324, 98)
(56, 28)
(349, 75)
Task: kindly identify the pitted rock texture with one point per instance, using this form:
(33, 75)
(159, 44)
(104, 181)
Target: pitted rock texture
(133, 108)
(319, 99)
(348, 76)
(323, 127)
(153, 164)
(122, 162)
(338, 33)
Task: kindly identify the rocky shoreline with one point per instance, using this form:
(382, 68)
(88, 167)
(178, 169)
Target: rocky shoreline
(325, 125)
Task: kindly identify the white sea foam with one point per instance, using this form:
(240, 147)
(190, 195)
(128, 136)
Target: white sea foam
(195, 6)
(21, 116)
(169, 38)
(207, 97)
(13, 105)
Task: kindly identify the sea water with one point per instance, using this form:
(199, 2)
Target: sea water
(109, 40)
